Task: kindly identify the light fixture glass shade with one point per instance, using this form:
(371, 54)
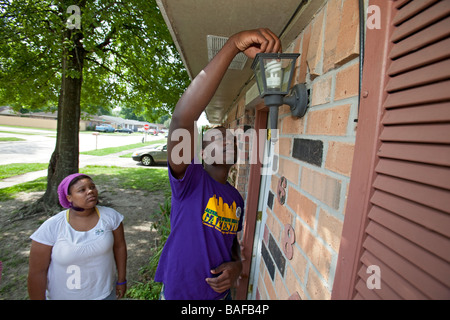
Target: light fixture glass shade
(273, 72)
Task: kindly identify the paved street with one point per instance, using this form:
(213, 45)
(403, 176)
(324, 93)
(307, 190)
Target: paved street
(39, 145)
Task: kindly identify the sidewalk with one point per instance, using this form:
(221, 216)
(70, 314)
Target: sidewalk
(108, 160)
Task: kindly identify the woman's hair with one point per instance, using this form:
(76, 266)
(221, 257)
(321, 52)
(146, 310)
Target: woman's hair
(75, 180)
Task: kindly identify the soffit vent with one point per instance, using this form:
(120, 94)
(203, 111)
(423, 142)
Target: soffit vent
(215, 43)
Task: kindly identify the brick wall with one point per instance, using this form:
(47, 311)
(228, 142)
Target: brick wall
(315, 157)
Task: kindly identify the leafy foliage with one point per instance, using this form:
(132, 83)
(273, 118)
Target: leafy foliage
(129, 57)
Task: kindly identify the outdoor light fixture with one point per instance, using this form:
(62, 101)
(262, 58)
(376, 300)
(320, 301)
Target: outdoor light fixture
(274, 73)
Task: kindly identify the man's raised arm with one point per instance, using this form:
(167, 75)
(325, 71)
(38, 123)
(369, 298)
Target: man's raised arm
(201, 90)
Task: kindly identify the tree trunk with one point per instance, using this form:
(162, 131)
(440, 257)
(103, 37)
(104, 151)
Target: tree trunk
(65, 158)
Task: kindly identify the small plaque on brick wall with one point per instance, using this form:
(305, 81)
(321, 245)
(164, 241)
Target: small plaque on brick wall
(307, 150)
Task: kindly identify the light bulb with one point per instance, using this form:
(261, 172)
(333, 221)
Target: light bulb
(273, 74)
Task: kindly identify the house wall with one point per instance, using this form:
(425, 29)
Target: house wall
(28, 122)
(315, 156)
(34, 122)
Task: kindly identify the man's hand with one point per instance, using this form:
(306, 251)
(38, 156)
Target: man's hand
(230, 273)
(252, 42)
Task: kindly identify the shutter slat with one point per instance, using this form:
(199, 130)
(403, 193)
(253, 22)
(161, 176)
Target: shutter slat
(393, 286)
(424, 260)
(413, 115)
(430, 196)
(424, 133)
(426, 153)
(429, 218)
(423, 173)
(433, 93)
(411, 9)
(367, 294)
(400, 3)
(421, 76)
(413, 232)
(422, 20)
(433, 53)
(421, 281)
(427, 36)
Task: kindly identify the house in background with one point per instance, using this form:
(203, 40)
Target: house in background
(87, 122)
(134, 125)
(359, 206)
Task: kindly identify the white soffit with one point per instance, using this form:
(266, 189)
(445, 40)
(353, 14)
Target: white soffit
(215, 43)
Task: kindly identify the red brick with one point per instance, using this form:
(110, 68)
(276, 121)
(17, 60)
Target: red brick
(331, 121)
(296, 49)
(333, 20)
(292, 283)
(316, 252)
(292, 125)
(301, 78)
(269, 287)
(282, 213)
(316, 288)
(289, 169)
(321, 91)
(330, 229)
(347, 82)
(302, 206)
(240, 107)
(340, 157)
(299, 264)
(273, 225)
(284, 109)
(285, 146)
(321, 186)
(314, 56)
(348, 38)
(280, 288)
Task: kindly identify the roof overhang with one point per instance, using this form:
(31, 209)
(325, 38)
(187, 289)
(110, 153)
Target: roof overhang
(190, 22)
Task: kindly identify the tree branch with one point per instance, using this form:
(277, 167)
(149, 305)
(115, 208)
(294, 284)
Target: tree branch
(108, 38)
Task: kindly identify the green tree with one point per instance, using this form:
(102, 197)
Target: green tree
(76, 54)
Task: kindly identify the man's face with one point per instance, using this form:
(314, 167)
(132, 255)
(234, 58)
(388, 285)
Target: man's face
(219, 147)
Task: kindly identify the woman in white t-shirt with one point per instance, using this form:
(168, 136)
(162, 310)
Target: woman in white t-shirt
(80, 253)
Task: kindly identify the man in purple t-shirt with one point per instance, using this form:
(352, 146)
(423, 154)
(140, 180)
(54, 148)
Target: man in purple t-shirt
(201, 258)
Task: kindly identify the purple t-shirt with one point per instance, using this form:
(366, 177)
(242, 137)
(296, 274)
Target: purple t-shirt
(205, 217)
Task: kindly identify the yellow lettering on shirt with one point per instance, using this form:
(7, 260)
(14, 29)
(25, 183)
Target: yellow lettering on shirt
(221, 216)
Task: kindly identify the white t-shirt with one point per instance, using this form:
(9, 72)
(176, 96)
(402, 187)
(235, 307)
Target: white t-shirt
(82, 265)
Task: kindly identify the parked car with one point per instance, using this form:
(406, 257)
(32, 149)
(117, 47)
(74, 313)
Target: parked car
(124, 130)
(151, 155)
(105, 128)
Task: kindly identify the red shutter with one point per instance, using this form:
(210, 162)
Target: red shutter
(407, 232)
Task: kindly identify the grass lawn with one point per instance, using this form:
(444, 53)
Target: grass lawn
(150, 179)
(11, 139)
(106, 151)
(15, 169)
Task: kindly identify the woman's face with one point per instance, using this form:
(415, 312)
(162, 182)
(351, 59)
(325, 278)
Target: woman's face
(83, 194)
